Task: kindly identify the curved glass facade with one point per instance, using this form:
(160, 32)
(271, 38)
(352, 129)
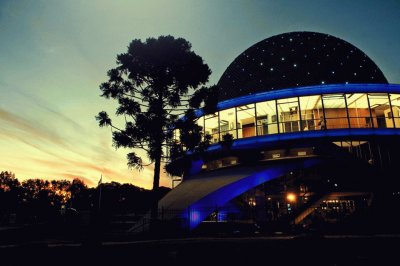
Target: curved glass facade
(303, 113)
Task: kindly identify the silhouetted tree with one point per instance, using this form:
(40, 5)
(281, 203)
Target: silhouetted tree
(76, 189)
(9, 195)
(227, 140)
(206, 97)
(8, 181)
(32, 187)
(151, 83)
(37, 200)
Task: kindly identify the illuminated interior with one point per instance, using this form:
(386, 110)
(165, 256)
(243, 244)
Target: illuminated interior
(304, 113)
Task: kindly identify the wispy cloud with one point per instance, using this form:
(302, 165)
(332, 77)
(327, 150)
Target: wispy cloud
(28, 128)
(44, 105)
(70, 176)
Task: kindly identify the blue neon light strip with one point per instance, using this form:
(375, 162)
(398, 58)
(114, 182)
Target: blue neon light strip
(199, 210)
(335, 134)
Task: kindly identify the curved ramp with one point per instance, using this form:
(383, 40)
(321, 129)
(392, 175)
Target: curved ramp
(192, 198)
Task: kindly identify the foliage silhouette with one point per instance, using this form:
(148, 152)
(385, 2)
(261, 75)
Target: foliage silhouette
(40, 201)
(227, 140)
(152, 84)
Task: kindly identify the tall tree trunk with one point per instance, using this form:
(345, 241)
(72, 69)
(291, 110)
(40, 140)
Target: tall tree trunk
(156, 177)
(157, 162)
(156, 185)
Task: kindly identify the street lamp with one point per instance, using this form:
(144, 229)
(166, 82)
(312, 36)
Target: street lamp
(291, 197)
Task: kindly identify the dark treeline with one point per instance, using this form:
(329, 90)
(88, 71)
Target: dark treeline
(40, 201)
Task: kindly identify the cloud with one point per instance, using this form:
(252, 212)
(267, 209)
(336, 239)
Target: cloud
(29, 128)
(75, 168)
(40, 136)
(49, 163)
(95, 168)
(44, 105)
(70, 176)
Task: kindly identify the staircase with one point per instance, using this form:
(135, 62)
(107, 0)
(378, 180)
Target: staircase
(309, 208)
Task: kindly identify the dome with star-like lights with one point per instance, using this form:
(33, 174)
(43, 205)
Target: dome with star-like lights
(297, 59)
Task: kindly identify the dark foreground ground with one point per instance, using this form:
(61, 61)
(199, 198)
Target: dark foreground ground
(284, 250)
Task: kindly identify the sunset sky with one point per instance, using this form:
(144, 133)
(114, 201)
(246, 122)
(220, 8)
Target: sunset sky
(55, 54)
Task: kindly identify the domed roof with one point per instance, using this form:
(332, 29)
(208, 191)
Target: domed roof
(297, 59)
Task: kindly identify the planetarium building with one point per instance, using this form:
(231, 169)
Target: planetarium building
(312, 124)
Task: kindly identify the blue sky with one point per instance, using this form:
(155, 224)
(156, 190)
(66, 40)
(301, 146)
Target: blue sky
(54, 55)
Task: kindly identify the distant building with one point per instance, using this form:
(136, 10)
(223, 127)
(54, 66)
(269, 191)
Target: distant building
(314, 121)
